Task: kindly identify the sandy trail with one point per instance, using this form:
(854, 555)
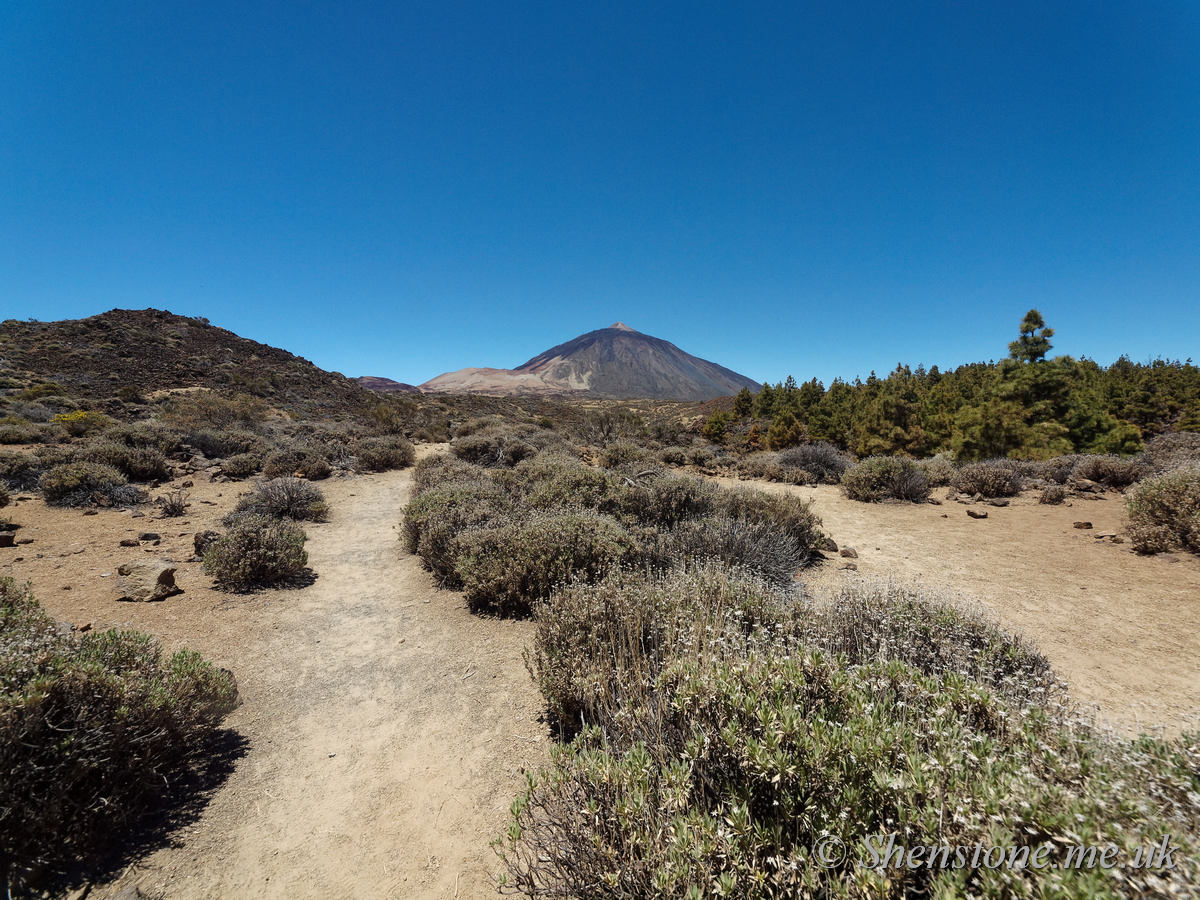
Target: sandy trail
(388, 728)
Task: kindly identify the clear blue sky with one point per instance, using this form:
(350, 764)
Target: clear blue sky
(805, 188)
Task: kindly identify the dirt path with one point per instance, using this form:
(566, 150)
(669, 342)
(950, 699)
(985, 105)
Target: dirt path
(388, 732)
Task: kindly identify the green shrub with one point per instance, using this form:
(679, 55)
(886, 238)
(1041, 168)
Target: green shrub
(760, 548)
(700, 456)
(668, 500)
(549, 481)
(1164, 512)
(823, 461)
(20, 434)
(135, 463)
(241, 465)
(504, 569)
(383, 454)
(94, 732)
(80, 422)
(257, 550)
(885, 478)
(80, 483)
(282, 498)
(991, 478)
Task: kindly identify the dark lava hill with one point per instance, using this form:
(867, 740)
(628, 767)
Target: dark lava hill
(610, 363)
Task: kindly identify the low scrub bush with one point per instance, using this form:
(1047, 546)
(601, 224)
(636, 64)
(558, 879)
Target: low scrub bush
(94, 731)
(885, 478)
(173, 504)
(623, 454)
(135, 463)
(668, 500)
(438, 470)
(759, 548)
(302, 462)
(205, 409)
(20, 434)
(85, 483)
(1164, 512)
(4, 496)
(700, 456)
(823, 461)
(282, 498)
(81, 422)
(241, 465)
(257, 550)
(725, 735)
(147, 436)
(493, 447)
(20, 471)
(549, 481)
(435, 517)
(673, 456)
(1114, 471)
(383, 454)
(1053, 495)
(991, 478)
(221, 443)
(505, 568)
(1168, 452)
(938, 469)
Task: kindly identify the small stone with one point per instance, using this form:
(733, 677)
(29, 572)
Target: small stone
(935, 501)
(24, 540)
(136, 514)
(849, 553)
(1084, 525)
(830, 545)
(849, 566)
(976, 514)
(86, 626)
(1100, 535)
(996, 501)
(148, 536)
(188, 484)
(90, 512)
(945, 515)
(7, 539)
(1118, 540)
(147, 581)
(66, 587)
(129, 542)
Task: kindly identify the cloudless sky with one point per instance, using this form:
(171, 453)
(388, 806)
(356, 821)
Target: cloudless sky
(807, 188)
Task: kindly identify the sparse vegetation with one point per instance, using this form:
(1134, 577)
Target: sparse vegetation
(382, 454)
(93, 730)
(822, 461)
(257, 550)
(309, 462)
(86, 483)
(993, 478)
(1053, 494)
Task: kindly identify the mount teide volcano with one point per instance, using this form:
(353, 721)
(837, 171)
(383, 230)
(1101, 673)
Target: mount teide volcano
(612, 363)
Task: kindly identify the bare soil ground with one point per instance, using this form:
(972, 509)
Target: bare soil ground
(388, 729)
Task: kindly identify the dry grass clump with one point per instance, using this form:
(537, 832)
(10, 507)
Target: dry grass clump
(383, 454)
(1164, 512)
(880, 478)
(282, 498)
(822, 461)
(173, 504)
(724, 734)
(257, 550)
(221, 443)
(93, 732)
(991, 478)
(86, 483)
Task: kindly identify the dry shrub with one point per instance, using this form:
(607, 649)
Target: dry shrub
(257, 550)
(94, 732)
(282, 498)
(885, 478)
(505, 568)
(1168, 452)
(725, 734)
(1164, 512)
(1114, 471)
(20, 471)
(20, 434)
(83, 483)
(383, 454)
(624, 453)
(939, 469)
(205, 409)
(822, 461)
(147, 436)
(433, 471)
(492, 447)
(4, 496)
(673, 456)
(135, 463)
(436, 516)
(241, 465)
(173, 504)
(549, 480)
(759, 548)
(220, 443)
(991, 478)
(310, 461)
(1053, 495)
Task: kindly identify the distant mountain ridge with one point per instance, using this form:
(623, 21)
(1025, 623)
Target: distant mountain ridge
(610, 363)
(387, 385)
